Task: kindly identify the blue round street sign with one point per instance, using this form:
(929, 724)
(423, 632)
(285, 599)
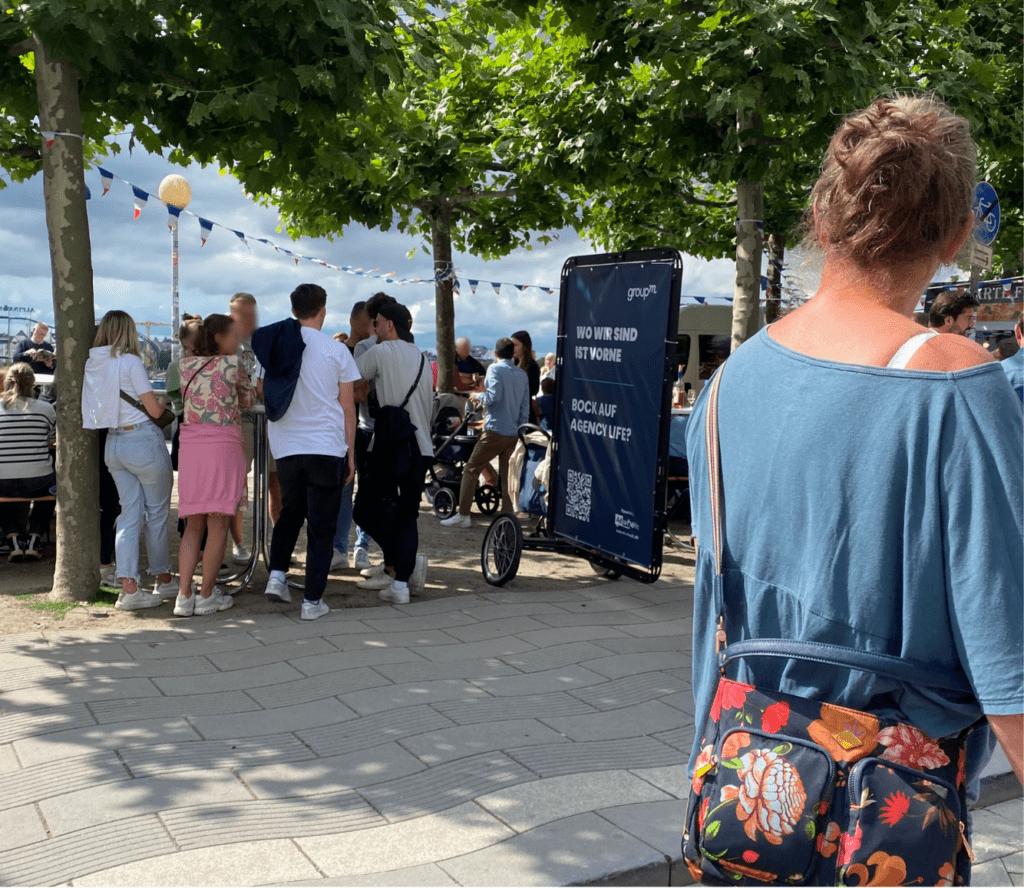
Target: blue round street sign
(986, 214)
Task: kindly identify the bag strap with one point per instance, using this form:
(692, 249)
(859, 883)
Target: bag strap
(909, 671)
(184, 394)
(416, 382)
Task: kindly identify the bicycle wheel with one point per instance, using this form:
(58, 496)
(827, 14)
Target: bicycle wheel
(487, 498)
(502, 549)
(444, 503)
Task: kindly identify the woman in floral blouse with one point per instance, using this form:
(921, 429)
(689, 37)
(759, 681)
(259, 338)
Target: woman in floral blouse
(211, 463)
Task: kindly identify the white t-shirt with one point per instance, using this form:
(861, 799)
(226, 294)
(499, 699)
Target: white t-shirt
(314, 422)
(131, 376)
(393, 366)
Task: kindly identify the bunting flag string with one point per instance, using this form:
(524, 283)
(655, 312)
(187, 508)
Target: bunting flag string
(50, 136)
(206, 227)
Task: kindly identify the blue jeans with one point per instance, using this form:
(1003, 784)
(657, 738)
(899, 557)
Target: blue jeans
(141, 467)
(344, 519)
(363, 539)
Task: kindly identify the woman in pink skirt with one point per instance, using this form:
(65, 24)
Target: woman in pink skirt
(211, 462)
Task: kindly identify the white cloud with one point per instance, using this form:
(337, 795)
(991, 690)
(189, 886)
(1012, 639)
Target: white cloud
(132, 267)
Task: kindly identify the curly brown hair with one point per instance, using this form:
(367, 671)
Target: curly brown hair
(897, 181)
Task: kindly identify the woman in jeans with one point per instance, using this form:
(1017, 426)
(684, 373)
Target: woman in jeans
(887, 457)
(136, 455)
(27, 434)
(211, 460)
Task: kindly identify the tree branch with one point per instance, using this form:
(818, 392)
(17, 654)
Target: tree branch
(453, 199)
(29, 44)
(713, 204)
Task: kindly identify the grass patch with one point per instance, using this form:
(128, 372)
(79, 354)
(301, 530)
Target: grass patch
(58, 609)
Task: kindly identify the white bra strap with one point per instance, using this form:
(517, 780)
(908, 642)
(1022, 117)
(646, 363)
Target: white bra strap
(906, 351)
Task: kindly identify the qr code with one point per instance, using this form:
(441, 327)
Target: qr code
(577, 495)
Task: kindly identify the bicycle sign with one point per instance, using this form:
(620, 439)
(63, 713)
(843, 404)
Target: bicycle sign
(986, 214)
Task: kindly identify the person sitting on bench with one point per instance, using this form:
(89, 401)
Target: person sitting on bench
(27, 434)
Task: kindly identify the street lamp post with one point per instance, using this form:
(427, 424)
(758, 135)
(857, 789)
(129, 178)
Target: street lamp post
(175, 192)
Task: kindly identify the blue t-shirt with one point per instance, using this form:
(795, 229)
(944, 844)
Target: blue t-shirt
(872, 508)
(1013, 367)
(677, 437)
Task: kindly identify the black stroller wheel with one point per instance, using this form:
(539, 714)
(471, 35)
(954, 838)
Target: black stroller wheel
(444, 503)
(487, 498)
(502, 549)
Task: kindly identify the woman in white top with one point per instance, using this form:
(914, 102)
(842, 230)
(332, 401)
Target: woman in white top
(135, 453)
(27, 433)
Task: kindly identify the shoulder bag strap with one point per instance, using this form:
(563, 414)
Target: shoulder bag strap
(416, 382)
(909, 671)
(184, 394)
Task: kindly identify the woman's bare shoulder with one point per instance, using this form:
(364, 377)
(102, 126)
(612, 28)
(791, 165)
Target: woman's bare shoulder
(948, 353)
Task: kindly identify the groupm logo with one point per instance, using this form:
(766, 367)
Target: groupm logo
(641, 292)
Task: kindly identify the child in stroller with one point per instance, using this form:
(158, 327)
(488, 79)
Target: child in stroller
(453, 443)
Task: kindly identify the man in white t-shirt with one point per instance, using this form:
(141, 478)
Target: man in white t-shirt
(313, 445)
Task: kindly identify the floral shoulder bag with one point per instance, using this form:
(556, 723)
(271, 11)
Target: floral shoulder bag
(795, 791)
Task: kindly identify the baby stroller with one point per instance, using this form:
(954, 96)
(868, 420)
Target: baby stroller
(452, 448)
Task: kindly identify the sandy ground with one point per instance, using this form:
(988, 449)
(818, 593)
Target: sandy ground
(454, 569)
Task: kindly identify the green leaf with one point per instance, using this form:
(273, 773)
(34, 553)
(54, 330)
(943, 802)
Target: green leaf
(734, 763)
(711, 829)
(809, 829)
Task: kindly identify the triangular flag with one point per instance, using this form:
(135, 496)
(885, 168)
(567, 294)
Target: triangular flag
(520, 287)
(140, 200)
(497, 288)
(241, 236)
(48, 137)
(107, 179)
(205, 229)
(88, 193)
(472, 286)
(173, 213)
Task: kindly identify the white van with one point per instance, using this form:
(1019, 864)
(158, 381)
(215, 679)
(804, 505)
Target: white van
(704, 341)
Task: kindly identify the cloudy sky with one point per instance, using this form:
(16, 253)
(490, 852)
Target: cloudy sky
(132, 269)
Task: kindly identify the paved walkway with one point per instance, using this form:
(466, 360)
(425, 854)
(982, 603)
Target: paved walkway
(513, 738)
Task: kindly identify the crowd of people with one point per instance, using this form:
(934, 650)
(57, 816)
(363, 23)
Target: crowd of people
(349, 435)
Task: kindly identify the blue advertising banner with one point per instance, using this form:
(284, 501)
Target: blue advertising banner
(611, 379)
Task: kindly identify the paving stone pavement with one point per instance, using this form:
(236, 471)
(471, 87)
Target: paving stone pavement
(511, 738)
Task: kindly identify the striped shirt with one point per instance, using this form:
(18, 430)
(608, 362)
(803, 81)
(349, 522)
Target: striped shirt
(26, 432)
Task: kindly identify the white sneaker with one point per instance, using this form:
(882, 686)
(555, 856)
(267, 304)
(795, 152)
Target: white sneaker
(167, 590)
(219, 600)
(239, 554)
(375, 584)
(457, 520)
(339, 561)
(374, 570)
(185, 607)
(394, 595)
(138, 600)
(277, 590)
(313, 610)
(419, 576)
(108, 578)
(361, 559)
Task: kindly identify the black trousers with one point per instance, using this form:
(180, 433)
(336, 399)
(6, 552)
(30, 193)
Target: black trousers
(15, 516)
(392, 524)
(110, 506)
(311, 494)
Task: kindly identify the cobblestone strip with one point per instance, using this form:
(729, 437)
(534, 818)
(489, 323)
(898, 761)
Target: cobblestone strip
(113, 711)
(445, 786)
(555, 759)
(57, 778)
(630, 690)
(372, 730)
(46, 721)
(201, 755)
(202, 827)
(541, 706)
(59, 860)
(407, 672)
(317, 687)
(46, 674)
